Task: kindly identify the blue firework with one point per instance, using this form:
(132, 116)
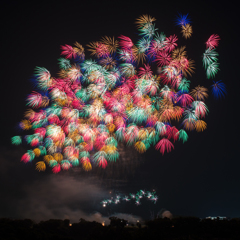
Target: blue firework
(182, 19)
(219, 89)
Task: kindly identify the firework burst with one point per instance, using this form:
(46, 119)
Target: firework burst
(78, 118)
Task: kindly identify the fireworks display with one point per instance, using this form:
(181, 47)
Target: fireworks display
(78, 118)
(132, 197)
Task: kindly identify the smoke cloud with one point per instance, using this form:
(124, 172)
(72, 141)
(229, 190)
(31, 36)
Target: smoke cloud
(27, 193)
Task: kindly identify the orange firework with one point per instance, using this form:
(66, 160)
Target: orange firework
(187, 30)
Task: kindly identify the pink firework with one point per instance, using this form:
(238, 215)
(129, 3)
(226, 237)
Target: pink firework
(212, 42)
(164, 145)
(68, 51)
(171, 43)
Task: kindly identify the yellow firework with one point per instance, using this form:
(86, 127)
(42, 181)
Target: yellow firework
(29, 113)
(143, 20)
(108, 62)
(187, 67)
(110, 43)
(58, 157)
(25, 124)
(189, 124)
(142, 134)
(62, 73)
(138, 55)
(37, 152)
(47, 158)
(187, 31)
(199, 93)
(111, 127)
(179, 53)
(200, 125)
(45, 101)
(140, 147)
(40, 166)
(87, 166)
(79, 49)
(98, 49)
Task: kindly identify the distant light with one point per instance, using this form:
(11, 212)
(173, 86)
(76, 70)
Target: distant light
(216, 218)
(70, 224)
(103, 224)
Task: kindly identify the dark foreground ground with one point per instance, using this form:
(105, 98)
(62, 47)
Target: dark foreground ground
(177, 228)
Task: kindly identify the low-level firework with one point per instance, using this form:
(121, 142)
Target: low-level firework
(150, 195)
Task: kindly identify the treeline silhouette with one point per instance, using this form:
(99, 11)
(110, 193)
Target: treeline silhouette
(159, 228)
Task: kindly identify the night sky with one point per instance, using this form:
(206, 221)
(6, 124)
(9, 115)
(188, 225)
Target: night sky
(199, 178)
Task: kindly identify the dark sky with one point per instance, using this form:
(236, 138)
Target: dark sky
(199, 178)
